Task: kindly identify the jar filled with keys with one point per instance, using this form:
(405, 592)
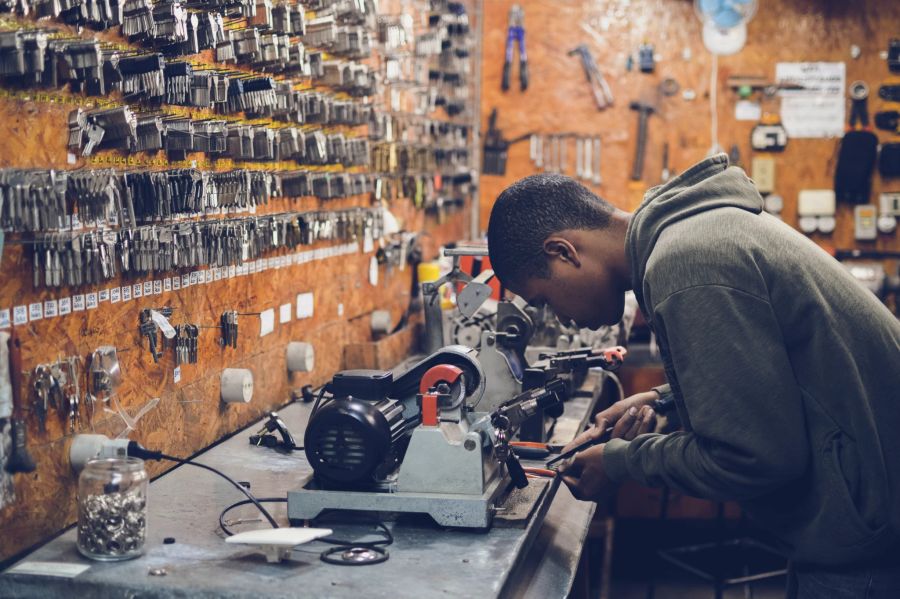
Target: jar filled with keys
(112, 509)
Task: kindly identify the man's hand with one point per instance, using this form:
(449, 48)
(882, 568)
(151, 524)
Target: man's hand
(614, 413)
(636, 421)
(586, 477)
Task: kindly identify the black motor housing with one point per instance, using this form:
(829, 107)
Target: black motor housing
(352, 442)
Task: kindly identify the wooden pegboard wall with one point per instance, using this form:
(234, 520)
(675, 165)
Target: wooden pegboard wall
(189, 415)
(559, 99)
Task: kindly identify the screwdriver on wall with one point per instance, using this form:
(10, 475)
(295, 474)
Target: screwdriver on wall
(515, 32)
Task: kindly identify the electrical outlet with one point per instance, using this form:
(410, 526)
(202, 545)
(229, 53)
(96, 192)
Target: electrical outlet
(816, 202)
(864, 219)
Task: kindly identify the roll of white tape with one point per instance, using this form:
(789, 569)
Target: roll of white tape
(236, 385)
(301, 357)
(381, 322)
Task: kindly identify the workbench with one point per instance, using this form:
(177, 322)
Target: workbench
(538, 560)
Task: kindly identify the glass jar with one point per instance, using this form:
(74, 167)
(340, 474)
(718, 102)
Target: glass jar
(112, 509)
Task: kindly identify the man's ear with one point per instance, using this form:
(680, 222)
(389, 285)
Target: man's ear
(559, 247)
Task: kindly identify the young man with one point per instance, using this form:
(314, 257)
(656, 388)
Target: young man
(785, 371)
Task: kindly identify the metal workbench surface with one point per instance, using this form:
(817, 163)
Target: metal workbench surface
(425, 560)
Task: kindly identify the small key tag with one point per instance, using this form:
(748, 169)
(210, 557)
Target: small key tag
(162, 322)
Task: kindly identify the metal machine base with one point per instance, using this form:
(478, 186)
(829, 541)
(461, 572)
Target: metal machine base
(466, 511)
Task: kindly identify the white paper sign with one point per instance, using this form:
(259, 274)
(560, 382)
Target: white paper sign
(304, 305)
(65, 306)
(266, 322)
(35, 311)
(20, 315)
(284, 313)
(51, 308)
(746, 110)
(77, 303)
(4, 318)
(818, 109)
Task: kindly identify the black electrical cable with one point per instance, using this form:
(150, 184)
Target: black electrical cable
(245, 502)
(136, 450)
(319, 399)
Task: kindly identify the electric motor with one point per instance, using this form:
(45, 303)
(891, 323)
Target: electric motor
(354, 442)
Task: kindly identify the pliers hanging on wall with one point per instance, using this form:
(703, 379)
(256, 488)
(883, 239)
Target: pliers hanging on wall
(515, 32)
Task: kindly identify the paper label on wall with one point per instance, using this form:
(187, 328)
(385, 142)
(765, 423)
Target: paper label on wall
(157, 287)
(284, 313)
(91, 301)
(20, 315)
(266, 322)
(818, 110)
(176, 283)
(167, 284)
(185, 281)
(55, 569)
(51, 308)
(115, 295)
(137, 290)
(209, 276)
(747, 110)
(304, 305)
(103, 295)
(176, 374)
(148, 288)
(35, 311)
(194, 278)
(4, 318)
(77, 303)
(65, 306)
(126, 293)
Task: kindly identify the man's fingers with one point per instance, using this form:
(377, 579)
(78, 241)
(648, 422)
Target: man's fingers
(648, 423)
(611, 414)
(643, 416)
(625, 423)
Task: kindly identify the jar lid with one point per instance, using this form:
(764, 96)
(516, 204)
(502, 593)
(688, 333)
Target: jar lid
(126, 464)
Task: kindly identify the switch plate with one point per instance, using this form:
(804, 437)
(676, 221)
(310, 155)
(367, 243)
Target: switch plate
(816, 202)
(864, 221)
(763, 170)
(890, 204)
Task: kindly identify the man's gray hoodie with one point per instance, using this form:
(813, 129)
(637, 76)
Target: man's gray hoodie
(785, 371)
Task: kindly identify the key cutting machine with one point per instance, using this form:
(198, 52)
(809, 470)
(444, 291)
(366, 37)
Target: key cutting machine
(419, 442)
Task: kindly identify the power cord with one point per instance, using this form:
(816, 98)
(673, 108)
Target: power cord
(343, 546)
(138, 451)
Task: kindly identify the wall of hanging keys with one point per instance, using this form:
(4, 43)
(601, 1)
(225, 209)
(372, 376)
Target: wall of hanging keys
(173, 168)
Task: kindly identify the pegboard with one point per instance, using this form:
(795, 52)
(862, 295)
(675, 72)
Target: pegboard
(190, 415)
(559, 99)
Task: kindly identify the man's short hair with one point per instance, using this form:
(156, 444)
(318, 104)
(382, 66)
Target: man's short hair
(528, 212)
